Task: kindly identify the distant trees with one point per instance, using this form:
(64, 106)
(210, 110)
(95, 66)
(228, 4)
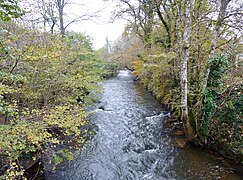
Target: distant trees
(48, 13)
(57, 13)
(123, 50)
(140, 15)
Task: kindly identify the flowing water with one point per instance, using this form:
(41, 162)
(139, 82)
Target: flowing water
(132, 144)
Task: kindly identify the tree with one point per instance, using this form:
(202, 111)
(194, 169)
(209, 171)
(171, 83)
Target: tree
(60, 4)
(184, 60)
(64, 23)
(140, 15)
(216, 32)
(57, 14)
(10, 9)
(48, 13)
(162, 11)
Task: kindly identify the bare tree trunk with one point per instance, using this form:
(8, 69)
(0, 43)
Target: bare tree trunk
(184, 60)
(52, 27)
(60, 6)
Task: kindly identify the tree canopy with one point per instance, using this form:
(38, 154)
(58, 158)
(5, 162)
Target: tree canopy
(10, 9)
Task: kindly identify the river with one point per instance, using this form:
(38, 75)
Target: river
(131, 142)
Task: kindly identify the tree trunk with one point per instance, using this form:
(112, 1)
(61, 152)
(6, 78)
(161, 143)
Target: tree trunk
(52, 27)
(60, 6)
(184, 60)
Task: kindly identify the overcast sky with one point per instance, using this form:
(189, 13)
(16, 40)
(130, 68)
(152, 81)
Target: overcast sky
(100, 29)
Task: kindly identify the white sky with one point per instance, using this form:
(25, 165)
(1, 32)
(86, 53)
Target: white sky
(100, 29)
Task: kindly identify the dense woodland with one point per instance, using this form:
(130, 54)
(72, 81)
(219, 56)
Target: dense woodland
(188, 53)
